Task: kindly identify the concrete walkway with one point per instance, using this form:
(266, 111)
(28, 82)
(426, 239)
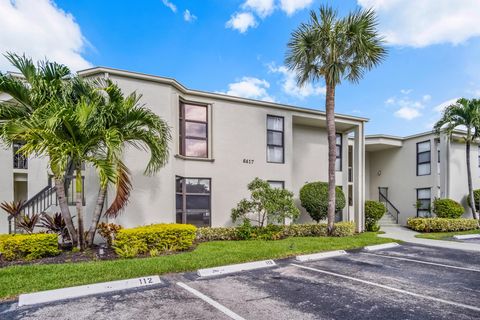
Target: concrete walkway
(407, 235)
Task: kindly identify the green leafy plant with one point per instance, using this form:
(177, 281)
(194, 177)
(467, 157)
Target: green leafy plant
(28, 222)
(314, 198)
(447, 208)
(162, 237)
(266, 205)
(374, 211)
(108, 231)
(217, 233)
(245, 231)
(29, 246)
(441, 224)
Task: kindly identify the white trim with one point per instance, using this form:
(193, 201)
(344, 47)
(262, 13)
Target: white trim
(211, 302)
(466, 306)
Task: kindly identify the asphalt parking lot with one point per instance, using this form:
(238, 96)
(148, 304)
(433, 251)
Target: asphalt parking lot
(407, 282)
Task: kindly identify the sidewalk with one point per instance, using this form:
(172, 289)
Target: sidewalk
(407, 235)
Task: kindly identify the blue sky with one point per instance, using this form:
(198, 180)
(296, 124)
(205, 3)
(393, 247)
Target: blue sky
(238, 47)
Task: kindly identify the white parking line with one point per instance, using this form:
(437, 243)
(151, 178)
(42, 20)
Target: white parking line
(211, 302)
(466, 306)
(420, 261)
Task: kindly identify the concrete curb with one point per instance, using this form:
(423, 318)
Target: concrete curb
(234, 268)
(466, 236)
(86, 290)
(381, 246)
(320, 255)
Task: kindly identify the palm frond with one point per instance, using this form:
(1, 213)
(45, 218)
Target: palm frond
(123, 187)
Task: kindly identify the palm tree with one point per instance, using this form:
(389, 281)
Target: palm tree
(333, 49)
(465, 113)
(36, 87)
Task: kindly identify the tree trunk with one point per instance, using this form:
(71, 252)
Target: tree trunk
(79, 205)
(471, 200)
(332, 154)
(97, 213)
(63, 203)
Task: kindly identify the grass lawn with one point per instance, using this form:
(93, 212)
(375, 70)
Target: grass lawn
(15, 280)
(445, 235)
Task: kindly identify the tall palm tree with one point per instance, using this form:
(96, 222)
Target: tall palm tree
(464, 113)
(333, 49)
(36, 87)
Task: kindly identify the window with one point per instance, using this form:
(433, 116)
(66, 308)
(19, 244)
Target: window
(275, 139)
(193, 130)
(19, 161)
(424, 198)
(423, 158)
(338, 160)
(193, 201)
(276, 184)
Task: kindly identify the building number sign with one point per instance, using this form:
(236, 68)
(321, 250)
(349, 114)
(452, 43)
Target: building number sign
(248, 161)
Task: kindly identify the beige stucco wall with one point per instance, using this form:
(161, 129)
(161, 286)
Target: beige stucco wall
(395, 168)
(6, 183)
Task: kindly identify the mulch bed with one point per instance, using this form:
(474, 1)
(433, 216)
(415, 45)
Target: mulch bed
(66, 256)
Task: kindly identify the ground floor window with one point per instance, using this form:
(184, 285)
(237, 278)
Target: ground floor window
(276, 184)
(424, 199)
(193, 201)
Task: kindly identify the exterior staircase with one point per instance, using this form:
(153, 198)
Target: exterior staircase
(390, 218)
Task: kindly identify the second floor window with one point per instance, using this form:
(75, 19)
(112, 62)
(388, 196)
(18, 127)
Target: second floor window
(423, 158)
(275, 139)
(19, 161)
(338, 160)
(193, 130)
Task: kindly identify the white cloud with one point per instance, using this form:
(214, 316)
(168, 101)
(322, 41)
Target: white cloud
(188, 16)
(422, 23)
(41, 30)
(249, 87)
(290, 87)
(262, 8)
(170, 5)
(241, 22)
(408, 108)
(441, 107)
(292, 6)
(407, 113)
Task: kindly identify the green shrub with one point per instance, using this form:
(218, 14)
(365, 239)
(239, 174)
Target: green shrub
(314, 198)
(162, 237)
(476, 198)
(441, 224)
(216, 234)
(29, 246)
(274, 232)
(374, 211)
(265, 205)
(447, 208)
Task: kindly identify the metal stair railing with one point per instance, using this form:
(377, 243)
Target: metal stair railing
(383, 197)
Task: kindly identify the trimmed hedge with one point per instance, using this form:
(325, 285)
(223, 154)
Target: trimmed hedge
(441, 224)
(314, 198)
(29, 246)
(447, 208)
(374, 211)
(154, 239)
(275, 232)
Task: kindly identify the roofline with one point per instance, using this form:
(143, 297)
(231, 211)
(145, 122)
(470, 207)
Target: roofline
(417, 135)
(185, 90)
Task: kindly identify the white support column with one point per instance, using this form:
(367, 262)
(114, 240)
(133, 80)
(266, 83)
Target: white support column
(359, 177)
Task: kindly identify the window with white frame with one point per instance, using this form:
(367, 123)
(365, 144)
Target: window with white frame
(424, 164)
(276, 184)
(275, 139)
(424, 200)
